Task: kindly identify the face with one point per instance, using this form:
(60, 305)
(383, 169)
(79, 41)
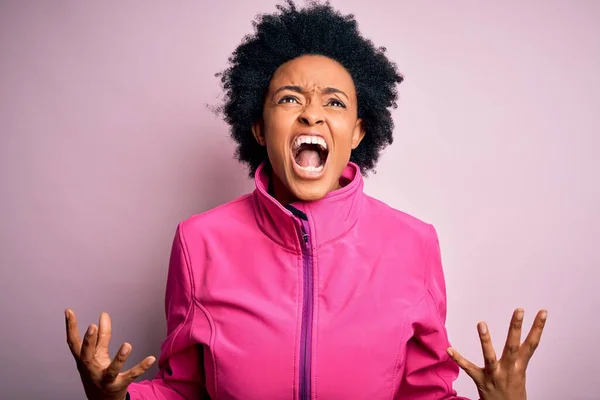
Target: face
(309, 127)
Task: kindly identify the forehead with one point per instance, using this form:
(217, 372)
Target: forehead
(313, 72)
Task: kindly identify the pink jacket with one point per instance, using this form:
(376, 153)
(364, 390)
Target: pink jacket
(339, 299)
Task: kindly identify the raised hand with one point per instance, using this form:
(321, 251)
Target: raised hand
(504, 379)
(102, 378)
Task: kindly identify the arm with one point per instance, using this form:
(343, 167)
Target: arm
(181, 373)
(429, 372)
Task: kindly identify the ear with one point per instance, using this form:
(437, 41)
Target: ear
(258, 131)
(358, 133)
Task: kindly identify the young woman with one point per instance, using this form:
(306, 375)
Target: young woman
(306, 288)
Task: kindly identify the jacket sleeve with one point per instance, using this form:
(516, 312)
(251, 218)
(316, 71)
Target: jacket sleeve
(428, 370)
(181, 373)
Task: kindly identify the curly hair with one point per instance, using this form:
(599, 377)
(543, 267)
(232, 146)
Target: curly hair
(317, 29)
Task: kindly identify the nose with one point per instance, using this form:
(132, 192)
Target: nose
(311, 115)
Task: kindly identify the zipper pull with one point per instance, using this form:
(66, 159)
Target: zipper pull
(304, 233)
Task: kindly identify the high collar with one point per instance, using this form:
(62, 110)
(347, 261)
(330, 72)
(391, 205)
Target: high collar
(328, 218)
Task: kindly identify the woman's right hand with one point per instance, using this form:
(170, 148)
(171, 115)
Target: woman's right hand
(101, 377)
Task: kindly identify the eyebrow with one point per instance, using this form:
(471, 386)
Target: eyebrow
(298, 89)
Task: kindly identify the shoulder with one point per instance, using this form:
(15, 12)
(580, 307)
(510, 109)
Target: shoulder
(392, 221)
(412, 237)
(221, 219)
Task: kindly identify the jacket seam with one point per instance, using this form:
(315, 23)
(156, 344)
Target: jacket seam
(431, 240)
(339, 237)
(436, 368)
(400, 347)
(422, 296)
(181, 326)
(204, 310)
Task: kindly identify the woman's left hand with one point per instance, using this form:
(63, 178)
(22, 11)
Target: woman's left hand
(504, 379)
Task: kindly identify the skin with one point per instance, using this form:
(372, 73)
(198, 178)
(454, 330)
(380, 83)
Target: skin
(101, 377)
(504, 379)
(308, 94)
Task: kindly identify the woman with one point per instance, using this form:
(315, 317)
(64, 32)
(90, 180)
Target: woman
(305, 288)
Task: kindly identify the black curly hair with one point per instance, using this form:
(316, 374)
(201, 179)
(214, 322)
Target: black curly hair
(288, 34)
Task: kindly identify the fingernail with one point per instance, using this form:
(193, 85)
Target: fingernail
(520, 313)
(124, 350)
(67, 314)
(151, 362)
(450, 352)
(90, 330)
(544, 315)
(482, 328)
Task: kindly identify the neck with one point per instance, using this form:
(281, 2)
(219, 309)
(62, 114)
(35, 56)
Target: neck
(282, 194)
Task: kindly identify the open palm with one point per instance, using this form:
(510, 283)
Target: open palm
(101, 377)
(504, 379)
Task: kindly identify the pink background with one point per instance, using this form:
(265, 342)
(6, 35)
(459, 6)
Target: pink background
(106, 143)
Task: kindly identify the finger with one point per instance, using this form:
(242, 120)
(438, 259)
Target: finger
(73, 338)
(476, 373)
(132, 374)
(513, 339)
(533, 337)
(104, 332)
(88, 348)
(113, 370)
(489, 354)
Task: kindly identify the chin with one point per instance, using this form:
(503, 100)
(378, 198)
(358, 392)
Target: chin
(310, 190)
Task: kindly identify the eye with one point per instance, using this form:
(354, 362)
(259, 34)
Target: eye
(288, 99)
(336, 103)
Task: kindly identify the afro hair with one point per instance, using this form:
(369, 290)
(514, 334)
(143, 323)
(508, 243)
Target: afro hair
(287, 34)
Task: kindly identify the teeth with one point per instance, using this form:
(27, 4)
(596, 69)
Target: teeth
(309, 139)
(311, 169)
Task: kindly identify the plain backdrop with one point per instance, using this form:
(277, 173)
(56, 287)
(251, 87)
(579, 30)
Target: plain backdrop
(107, 142)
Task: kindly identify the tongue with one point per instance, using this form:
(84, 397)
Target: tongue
(308, 158)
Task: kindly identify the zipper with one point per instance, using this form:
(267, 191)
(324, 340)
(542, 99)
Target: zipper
(307, 312)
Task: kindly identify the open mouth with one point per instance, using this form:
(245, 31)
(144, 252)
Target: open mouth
(310, 153)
